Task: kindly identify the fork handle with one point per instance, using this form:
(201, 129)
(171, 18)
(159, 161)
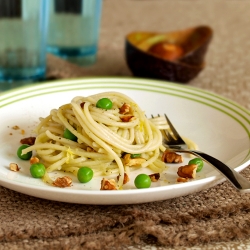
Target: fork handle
(241, 183)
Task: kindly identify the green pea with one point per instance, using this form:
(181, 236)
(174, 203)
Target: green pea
(135, 156)
(85, 174)
(68, 135)
(104, 103)
(142, 181)
(24, 156)
(198, 162)
(37, 170)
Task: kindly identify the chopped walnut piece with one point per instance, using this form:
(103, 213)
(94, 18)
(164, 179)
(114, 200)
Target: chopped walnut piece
(171, 157)
(62, 182)
(127, 118)
(154, 177)
(125, 179)
(14, 167)
(89, 149)
(15, 127)
(128, 161)
(108, 184)
(126, 158)
(28, 140)
(34, 160)
(187, 171)
(124, 109)
(181, 179)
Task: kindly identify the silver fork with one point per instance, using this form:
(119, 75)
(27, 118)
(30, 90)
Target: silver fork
(177, 144)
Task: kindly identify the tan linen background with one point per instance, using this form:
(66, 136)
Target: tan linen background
(216, 218)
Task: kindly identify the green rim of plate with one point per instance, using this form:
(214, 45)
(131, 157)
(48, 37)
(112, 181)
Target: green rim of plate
(204, 97)
(168, 88)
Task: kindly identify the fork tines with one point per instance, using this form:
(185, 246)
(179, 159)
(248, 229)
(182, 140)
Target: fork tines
(173, 130)
(160, 122)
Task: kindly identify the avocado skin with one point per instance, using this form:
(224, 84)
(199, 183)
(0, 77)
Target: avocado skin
(148, 66)
(194, 41)
(196, 57)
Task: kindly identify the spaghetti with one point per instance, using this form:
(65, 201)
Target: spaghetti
(103, 137)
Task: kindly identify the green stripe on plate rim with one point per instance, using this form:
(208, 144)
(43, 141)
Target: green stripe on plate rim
(127, 80)
(156, 86)
(71, 84)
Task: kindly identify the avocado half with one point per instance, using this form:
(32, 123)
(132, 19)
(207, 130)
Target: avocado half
(189, 45)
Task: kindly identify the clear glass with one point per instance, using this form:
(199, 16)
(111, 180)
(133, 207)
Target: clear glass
(73, 31)
(23, 40)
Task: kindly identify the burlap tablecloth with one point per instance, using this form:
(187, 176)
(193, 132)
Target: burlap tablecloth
(216, 218)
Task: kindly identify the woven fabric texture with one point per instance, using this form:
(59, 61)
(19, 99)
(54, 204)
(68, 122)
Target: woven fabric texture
(216, 218)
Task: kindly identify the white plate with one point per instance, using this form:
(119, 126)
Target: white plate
(219, 126)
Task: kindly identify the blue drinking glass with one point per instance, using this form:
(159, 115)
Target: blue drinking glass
(73, 30)
(23, 30)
